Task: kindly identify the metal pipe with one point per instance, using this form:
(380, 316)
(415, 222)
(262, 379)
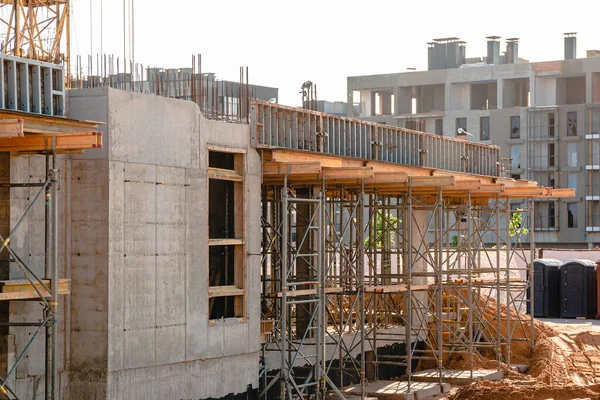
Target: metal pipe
(54, 283)
(284, 267)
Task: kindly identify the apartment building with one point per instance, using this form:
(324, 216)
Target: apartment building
(545, 116)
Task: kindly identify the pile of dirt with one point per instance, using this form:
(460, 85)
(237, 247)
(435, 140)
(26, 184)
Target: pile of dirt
(508, 390)
(565, 364)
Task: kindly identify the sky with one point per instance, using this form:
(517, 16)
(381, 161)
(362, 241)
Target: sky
(285, 43)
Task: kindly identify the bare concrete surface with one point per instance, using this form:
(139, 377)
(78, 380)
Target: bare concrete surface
(396, 390)
(458, 377)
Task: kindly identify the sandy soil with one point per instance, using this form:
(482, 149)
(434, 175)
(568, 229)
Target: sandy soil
(564, 365)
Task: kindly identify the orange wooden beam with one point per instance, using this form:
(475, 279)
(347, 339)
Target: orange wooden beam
(52, 142)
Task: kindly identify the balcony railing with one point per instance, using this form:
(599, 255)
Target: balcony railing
(276, 126)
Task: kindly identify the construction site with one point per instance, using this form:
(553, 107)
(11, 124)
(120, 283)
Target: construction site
(168, 235)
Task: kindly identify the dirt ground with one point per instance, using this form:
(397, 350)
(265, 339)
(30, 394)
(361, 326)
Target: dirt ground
(565, 365)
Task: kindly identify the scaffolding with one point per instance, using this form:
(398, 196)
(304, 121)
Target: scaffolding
(373, 264)
(338, 297)
(44, 287)
(37, 29)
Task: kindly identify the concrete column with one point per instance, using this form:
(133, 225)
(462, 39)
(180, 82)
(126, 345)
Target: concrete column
(500, 94)
(373, 107)
(448, 96)
(404, 100)
(418, 222)
(589, 87)
(396, 105)
(304, 272)
(386, 104)
(349, 99)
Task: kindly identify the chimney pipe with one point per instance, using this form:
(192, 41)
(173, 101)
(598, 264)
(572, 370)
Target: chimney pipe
(493, 50)
(512, 50)
(570, 45)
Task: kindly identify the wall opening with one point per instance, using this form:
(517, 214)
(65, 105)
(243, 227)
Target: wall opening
(572, 123)
(461, 123)
(515, 93)
(484, 128)
(484, 96)
(439, 127)
(570, 90)
(572, 215)
(226, 260)
(515, 127)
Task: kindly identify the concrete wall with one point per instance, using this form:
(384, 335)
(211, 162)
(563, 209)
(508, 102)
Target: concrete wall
(140, 289)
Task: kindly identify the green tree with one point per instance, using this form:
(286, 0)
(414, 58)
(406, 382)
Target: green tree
(385, 226)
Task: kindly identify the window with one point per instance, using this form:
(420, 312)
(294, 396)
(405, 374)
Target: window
(415, 125)
(439, 127)
(226, 260)
(551, 215)
(545, 215)
(572, 123)
(572, 181)
(551, 124)
(572, 154)
(551, 154)
(516, 176)
(461, 123)
(515, 127)
(484, 128)
(515, 155)
(572, 215)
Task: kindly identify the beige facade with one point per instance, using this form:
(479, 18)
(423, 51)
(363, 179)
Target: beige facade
(545, 116)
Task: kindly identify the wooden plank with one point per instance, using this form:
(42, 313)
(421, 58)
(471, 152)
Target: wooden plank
(22, 289)
(561, 193)
(225, 242)
(308, 292)
(399, 288)
(221, 291)
(432, 181)
(297, 168)
(11, 128)
(224, 174)
(58, 142)
(524, 191)
(387, 177)
(347, 172)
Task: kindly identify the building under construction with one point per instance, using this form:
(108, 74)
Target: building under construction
(161, 248)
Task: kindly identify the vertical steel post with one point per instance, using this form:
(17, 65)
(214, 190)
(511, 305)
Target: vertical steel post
(284, 268)
(361, 288)
(507, 273)
(498, 278)
(530, 269)
(408, 272)
(439, 282)
(470, 260)
(47, 263)
(320, 374)
(55, 267)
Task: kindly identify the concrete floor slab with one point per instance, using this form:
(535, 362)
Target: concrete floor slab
(394, 390)
(458, 377)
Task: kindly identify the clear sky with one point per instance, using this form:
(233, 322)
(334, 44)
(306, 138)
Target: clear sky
(285, 43)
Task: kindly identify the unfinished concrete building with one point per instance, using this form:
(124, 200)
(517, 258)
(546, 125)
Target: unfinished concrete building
(208, 258)
(543, 115)
(154, 247)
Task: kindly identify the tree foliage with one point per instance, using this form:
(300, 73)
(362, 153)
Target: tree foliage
(385, 226)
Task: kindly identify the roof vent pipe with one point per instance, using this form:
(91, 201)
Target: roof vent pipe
(570, 45)
(512, 50)
(493, 50)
